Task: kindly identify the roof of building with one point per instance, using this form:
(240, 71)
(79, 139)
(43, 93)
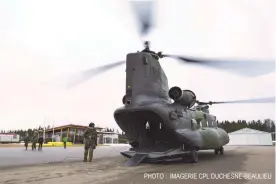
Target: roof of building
(109, 132)
(69, 126)
(249, 131)
(8, 134)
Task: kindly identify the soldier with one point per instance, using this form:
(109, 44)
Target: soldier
(26, 141)
(90, 138)
(34, 141)
(40, 143)
(64, 140)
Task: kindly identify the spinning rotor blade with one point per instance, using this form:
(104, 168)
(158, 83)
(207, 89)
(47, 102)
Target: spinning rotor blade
(143, 10)
(253, 100)
(247, 68)
(86, 75)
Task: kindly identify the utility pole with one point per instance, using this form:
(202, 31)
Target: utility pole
(53, 130)
(44, 128)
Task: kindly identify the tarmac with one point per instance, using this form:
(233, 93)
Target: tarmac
(239, 165)
(17, 156)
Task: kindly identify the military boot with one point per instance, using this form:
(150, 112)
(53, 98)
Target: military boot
(85, 155)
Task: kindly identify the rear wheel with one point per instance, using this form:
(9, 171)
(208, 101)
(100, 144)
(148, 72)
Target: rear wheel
(221, 150)
(194, 155)
(216, 151)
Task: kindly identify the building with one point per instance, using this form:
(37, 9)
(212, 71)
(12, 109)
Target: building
(74, 134)
(110, 138)
(248, 136)
(273, 137)
(9, 138)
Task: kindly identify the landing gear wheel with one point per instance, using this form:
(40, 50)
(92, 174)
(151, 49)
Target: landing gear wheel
(194, 156)
(216, 151)
(221, 150)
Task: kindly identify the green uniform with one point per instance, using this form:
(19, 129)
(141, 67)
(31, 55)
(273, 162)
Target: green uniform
(26, 141)
(64, 140)
(34, 141)
(90, 142)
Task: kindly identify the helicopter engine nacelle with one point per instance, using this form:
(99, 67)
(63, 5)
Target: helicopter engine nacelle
(186, 98)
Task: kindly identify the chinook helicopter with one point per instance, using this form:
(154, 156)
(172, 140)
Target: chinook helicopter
(159, 129)
(162, 123)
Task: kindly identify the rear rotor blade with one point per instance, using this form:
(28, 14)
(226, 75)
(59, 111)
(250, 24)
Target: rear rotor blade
(241, 67)
(88, 74)
(252, 100)
(143, 10)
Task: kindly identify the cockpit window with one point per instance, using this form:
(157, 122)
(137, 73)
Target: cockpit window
(210, 123)
(205, 109)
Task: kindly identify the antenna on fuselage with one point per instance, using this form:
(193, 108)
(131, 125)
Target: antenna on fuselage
(147, 125)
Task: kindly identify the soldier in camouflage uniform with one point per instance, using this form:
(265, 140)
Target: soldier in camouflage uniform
(34, 140)
(26, 140)
(90, 138)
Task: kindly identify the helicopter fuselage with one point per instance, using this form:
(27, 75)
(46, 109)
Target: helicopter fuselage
(170, 126)
(152, 123)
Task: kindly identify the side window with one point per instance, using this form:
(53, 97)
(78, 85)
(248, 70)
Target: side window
(210, 123)
(215, 123)
(199, 124)
(203, 122)
(14, 137)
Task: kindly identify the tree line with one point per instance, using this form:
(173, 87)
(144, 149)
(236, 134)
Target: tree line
(266, 125)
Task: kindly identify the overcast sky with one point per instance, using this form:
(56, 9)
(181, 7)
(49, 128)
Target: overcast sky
(41, 40)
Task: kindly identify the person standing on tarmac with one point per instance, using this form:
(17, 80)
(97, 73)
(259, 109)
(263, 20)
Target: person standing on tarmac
(26, 141)
(34, 141)
(64, 140)
(40, 143)
(90, 138)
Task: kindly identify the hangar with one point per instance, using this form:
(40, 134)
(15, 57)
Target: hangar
(250, 137)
